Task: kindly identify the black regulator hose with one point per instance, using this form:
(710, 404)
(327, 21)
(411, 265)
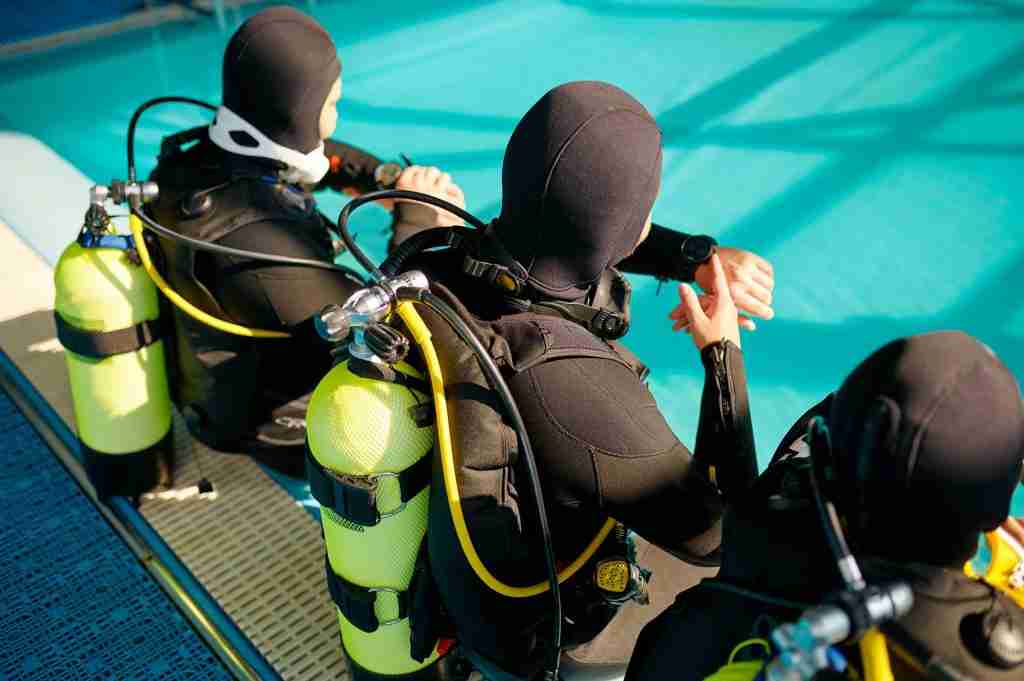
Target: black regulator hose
(204, 245)
(240, 253)
(138, 114)
(362, 200)
(465, 333)
(417, 243)
(933, 664)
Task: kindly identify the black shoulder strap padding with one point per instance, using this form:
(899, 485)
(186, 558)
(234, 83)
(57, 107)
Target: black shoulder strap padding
(354, 498)
(537, 338)
(100, 344)
(356, 602)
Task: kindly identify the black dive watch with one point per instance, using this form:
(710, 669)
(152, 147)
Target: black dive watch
(386, 175)
(694, 252)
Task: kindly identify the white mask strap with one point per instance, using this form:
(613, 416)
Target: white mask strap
(305, 168)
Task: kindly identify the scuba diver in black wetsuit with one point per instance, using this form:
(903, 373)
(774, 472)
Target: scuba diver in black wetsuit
(928, 444)
(244, 182)
(580, 177)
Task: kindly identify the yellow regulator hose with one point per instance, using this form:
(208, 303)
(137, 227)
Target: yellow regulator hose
(135, 225)
(421, 334)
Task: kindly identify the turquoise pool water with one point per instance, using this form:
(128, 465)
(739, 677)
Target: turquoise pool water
(871, 150)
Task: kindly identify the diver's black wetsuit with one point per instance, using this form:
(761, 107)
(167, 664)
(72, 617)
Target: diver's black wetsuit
(230, 384)
(781, 553)
(603, 445)
(580, 176)
(926, 450)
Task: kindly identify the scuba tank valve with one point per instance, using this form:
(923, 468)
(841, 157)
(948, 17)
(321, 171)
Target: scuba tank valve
(806, 646)
(363, 308)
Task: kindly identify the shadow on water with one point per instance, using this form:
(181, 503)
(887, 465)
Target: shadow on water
(359, 110)
(991, 11)
(742, 86)
(836, 177)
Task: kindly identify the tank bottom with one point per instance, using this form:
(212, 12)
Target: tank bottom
(130, 474)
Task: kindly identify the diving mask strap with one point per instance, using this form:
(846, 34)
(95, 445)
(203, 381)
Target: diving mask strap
(228, 127)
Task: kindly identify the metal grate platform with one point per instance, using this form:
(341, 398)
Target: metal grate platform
(77, 604)
(257, 551)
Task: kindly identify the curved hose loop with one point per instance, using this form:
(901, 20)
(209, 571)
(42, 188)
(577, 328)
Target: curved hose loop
(200, 245)
(135, 225)
(421, 335)
(397, 194)
(138, 114)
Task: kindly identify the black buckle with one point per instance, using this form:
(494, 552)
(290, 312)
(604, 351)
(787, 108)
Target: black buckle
(354, 497)
(608, 325)
(494, 274)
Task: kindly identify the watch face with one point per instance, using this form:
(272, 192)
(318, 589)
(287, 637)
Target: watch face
(697, 249)
(387, 174)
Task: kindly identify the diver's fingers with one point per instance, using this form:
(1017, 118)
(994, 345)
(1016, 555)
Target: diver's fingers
(444, 179)
(432, 175)
(409, 177)
(718, 272)
(454, 192)
(691, 305)
(748, 285)
(747, 323)
(765, 267)
(762, 278)
(752, 306)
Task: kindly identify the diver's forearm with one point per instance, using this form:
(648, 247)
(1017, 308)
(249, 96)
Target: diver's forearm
(659, 255)
(352, 169)
(725, 436)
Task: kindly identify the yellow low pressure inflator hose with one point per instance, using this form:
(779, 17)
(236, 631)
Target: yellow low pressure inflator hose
(421, 335)
(875, 656)
(135, 225)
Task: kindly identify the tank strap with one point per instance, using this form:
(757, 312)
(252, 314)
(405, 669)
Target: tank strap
(101, 344)
(354, 497)
(122, 242)
(357, 603)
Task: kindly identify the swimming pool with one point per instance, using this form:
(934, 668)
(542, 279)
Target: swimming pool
(872, 150)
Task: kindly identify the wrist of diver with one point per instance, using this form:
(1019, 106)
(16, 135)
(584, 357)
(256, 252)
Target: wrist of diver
(694, 252)
(715, 352)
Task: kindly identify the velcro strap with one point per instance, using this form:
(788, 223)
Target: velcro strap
(357, 602)
(354, 498)
(101, 344)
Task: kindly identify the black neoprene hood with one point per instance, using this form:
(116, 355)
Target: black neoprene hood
(278, 69)
(580, 176)
(930, 429)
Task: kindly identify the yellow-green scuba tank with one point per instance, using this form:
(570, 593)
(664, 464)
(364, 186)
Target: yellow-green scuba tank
(748, 668)
(107, 316)
(370, 435)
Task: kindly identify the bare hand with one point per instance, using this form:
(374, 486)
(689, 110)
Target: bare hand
(428, 180)
(751, 282)
(709, 318)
